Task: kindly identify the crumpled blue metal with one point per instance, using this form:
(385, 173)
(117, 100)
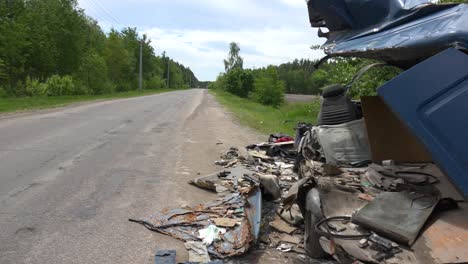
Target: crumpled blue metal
(400, 32)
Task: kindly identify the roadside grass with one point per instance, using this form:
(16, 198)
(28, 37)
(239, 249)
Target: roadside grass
(32, 103)
(267, 119)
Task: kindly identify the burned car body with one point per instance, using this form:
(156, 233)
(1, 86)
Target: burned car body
(374, 214)
(400, 32)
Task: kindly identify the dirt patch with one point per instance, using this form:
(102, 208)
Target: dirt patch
(209, 132)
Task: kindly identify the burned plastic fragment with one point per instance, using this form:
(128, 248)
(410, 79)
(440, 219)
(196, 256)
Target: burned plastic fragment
(165, 257)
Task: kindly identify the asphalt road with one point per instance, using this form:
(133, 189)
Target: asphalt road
(70, 178)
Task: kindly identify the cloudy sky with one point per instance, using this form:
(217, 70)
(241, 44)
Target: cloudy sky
(197, 32)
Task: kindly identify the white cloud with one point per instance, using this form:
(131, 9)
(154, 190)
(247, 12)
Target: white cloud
(198, 33)
(204, 50)
(295, 3)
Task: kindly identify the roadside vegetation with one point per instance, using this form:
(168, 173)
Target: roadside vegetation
(268, 119)
(256, 96)
(51, 48)
(267, 85)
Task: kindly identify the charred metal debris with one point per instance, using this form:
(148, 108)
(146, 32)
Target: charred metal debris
(230, 225)
(290, 196)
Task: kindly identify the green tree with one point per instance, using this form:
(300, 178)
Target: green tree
(2, 70)
(234, 82)
(119, 63)
(176, 79)
(14, 45)
(269, 89)
(234, 60)
(316, 81)
(92, 76)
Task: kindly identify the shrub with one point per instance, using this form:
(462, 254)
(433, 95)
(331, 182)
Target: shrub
(3, 92)
(269, 90)
(239, 82)
(233, 82)
(247, 79)
(57, 86)
(80, 88)
(219, 84)
(35, 88)
(154, 82)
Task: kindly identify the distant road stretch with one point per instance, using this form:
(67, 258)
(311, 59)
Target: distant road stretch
(299, 98)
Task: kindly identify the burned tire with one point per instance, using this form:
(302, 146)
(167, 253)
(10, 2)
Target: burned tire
(311, 238)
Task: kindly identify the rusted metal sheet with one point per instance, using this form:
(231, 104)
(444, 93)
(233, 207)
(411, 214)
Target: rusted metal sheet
(235, 242)
(447, 236)
(184, 224)
(253, 211)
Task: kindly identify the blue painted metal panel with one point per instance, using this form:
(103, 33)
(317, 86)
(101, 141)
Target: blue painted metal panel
(432, 100)
(400, 32)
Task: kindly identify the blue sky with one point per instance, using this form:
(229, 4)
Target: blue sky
(198, 33)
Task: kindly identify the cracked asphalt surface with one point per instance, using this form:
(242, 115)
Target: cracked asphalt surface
(71, 177)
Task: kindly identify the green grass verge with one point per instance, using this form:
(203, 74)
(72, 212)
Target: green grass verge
(267, 119)
(31, 103)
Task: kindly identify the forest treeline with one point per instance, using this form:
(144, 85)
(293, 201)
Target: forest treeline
(268, 85)
(301, 77)
(51, 47)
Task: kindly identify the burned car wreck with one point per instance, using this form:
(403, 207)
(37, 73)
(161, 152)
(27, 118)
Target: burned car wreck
(397, 190)
(382, 179)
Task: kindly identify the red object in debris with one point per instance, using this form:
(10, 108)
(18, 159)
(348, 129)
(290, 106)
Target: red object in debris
(284, 139)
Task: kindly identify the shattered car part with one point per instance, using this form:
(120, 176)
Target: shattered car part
(293, 215)
(397, 215)
(335, 231)
(382, 243)
(271, 184)
(345, 143)
(253, 211)
(436, 114)
(436, 243)
(222, 181)
(165, 257)
(402, 33)
(336, 107)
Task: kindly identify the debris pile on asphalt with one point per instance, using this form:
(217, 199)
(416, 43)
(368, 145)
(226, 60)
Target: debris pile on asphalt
(282, 197)
(230, 225)
(224, 226)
